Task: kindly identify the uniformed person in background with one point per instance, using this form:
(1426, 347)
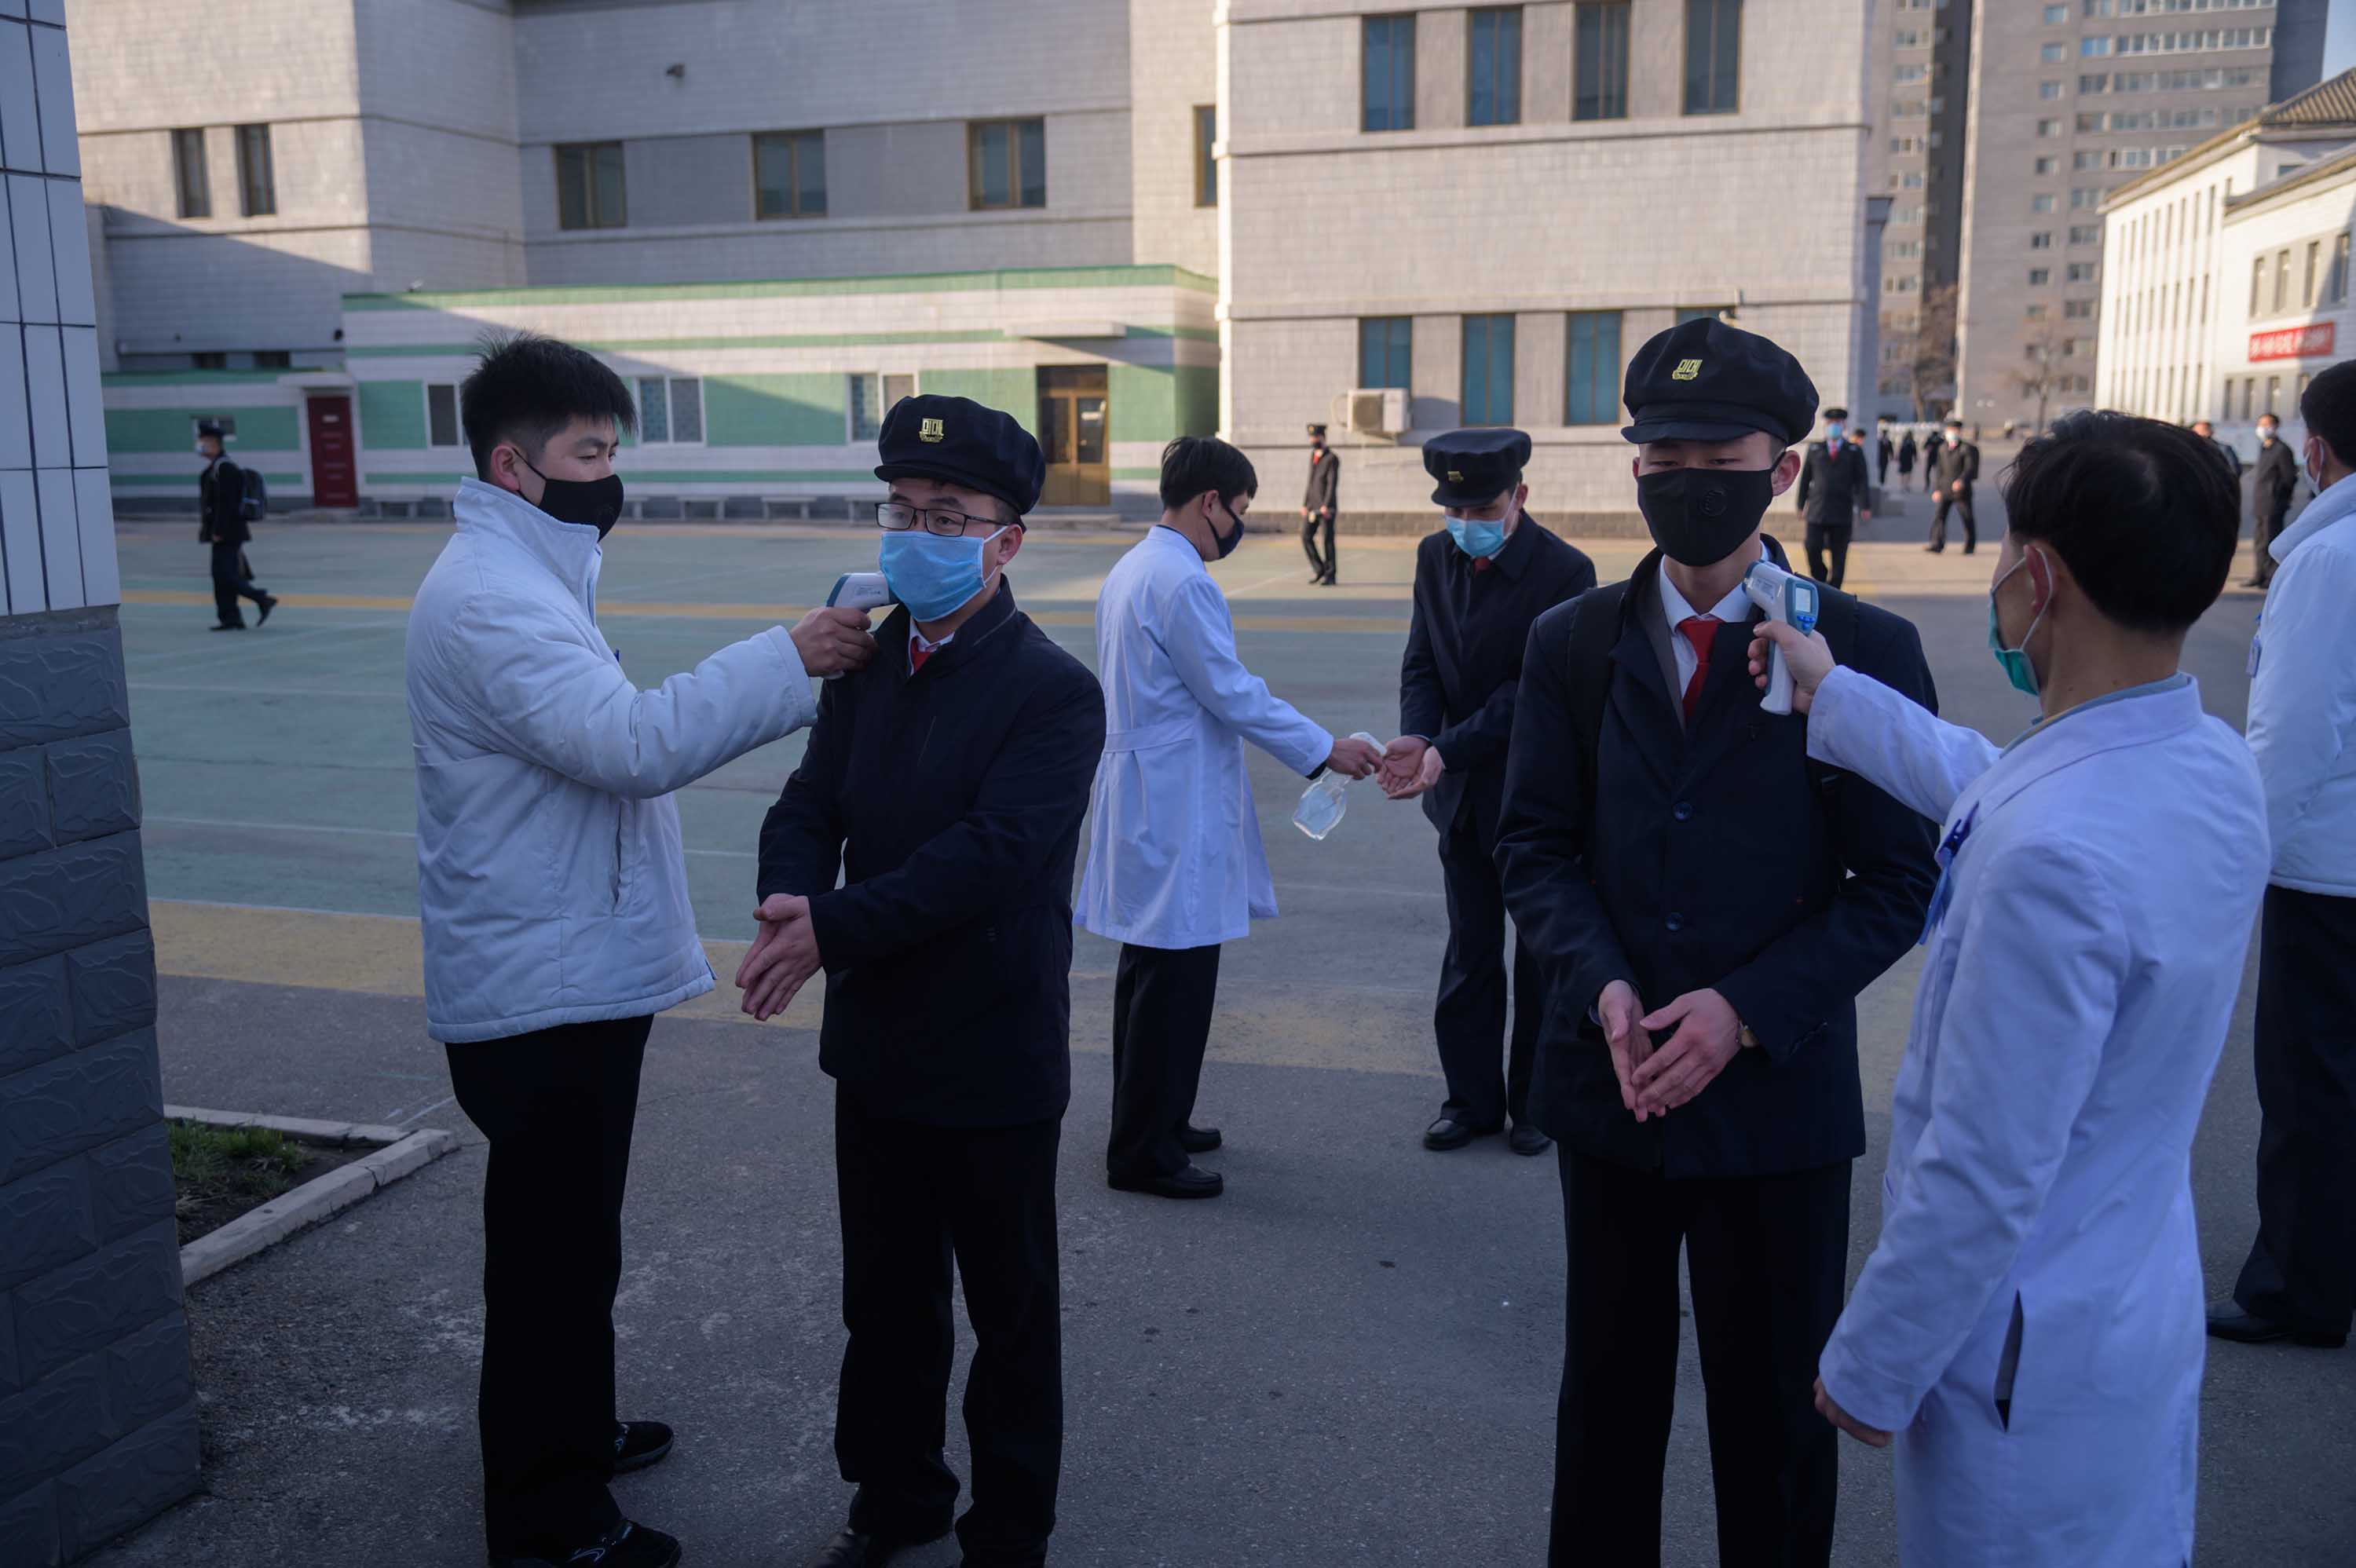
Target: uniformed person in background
(2272, 486)
(1954, 469)
(1478, 582)
(1834, 492)
(1884, 449)
(1317, 508)
(221, 506)
(946, 783)
(1707, 904)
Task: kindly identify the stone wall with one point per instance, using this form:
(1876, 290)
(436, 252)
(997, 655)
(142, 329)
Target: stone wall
(97, 1418)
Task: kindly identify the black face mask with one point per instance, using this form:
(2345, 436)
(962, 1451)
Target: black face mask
(1226, 543)
(595, 503)
(1702, 515)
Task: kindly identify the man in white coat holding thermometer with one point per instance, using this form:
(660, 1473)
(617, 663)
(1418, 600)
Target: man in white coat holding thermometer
(1175, 866)
(2029, 1325)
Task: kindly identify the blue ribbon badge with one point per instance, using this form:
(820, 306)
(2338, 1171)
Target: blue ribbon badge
(1943, 894)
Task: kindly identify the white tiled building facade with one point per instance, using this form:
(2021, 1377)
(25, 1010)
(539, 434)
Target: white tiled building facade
(1552, 181)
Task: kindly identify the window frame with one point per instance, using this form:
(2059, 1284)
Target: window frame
(593, 216)
(1718, 11)
(1206, 164)
(1392, 22)
(1399, 334)
(671, 384)
(1491, 418)
(248, 138)
(193, 196)
(1609, 89)
(1018, 192)
(457, 423)
(1504, 89)
(793, 143)
(1603, 367)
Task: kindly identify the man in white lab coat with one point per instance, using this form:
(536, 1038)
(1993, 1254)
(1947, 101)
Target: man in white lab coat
(1175, 866)
(2299, 1282)
(2029, 1323)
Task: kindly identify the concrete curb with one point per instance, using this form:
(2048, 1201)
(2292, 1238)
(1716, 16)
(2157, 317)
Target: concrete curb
(398, 1153)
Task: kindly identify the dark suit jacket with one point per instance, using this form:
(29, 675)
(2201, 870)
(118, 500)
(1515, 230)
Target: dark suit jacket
(1957, 460)
(2275, 477)
(1464, 649)
(1833, 485)
(950, 802)
(1324, 482)
(221, 498)
(1713, 857)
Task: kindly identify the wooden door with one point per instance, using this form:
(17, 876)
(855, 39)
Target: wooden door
(1074, 418)
(334, 472)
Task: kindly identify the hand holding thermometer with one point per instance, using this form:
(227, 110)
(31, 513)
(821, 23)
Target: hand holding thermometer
(858, 590)
(1789, 599)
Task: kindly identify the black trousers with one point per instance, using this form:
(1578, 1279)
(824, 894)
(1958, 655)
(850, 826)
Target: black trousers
(2302, 1270)
(557, 1106)
(231, 581)
(1469, 1020)
(1822, 538)
(915, 1199)
(1963, 505)
(1767, 1254)
(2265, 529)
(1161, 1002)
(1322, 564)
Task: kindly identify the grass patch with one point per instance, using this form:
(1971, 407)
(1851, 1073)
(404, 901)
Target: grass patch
(221, 1172)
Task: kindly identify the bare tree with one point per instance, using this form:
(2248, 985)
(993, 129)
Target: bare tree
(2040, 373)
(1929, 355)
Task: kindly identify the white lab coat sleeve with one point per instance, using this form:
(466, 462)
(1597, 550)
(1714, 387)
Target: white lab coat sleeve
(537, 692)
(1894, 744)
(2042, 958)
(1200, 638)
(2303, 699)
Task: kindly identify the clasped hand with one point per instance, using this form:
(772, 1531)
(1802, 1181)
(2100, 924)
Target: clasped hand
(1410, 766)
(1657, 1080)
(784, 956)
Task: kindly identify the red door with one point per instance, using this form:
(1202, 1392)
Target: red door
(334, 481)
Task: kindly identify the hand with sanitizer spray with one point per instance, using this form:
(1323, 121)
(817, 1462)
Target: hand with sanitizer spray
(1323, 802)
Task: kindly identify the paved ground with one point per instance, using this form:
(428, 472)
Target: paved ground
(1349, 1359)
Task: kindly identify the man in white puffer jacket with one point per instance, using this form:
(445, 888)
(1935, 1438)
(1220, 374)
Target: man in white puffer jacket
(2299, 1282)
(556, 922)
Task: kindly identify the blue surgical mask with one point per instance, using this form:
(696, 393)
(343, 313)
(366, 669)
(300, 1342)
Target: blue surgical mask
(1832, 434)
(1475, 538)
(2015, 661)
(932, 575)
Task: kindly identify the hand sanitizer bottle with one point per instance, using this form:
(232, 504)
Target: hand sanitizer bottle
(1323, 802)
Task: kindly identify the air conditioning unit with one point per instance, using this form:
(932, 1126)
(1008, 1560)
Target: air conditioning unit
(1378, 411)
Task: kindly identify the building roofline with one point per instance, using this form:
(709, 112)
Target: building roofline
(1004, 278)
(2341, 166)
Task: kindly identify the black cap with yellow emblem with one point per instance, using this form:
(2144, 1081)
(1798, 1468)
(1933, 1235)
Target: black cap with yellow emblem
(1476, 466)
(959, 441)
(1704, 381)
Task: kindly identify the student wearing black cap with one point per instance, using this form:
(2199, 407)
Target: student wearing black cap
(945, 784)
(1479, 582)
(1834, 492)
(1706, 903)
(1317, 505)
(220, 504)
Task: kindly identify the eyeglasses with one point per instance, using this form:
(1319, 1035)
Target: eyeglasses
(898, 518)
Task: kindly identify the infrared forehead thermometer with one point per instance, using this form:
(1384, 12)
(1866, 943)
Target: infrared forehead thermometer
(858, 590)
(1789, 599)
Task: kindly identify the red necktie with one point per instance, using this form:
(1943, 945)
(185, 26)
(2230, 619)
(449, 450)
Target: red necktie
(1701, 631)
(1482, 563)
(917, 655)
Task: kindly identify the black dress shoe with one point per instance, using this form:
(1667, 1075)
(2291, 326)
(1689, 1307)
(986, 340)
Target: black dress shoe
(1194, 1182)
(2228, 1321)
(857, 1549)
(269, 603)
(1198, 1140)
(1452, 1131)
(638, 1443)
(1528, 1139)
(626, 1545)
(226, 626)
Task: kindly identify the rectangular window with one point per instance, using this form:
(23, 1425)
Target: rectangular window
(589, 187)
(2083, 272)
(257, 181)
(1603, 49)
(2049, 127)
(2274, 395)
(273, 359)
(2043, 202)
(864, 397)
(2049, 91)
(2041, 241)
(2258, 282)
(2093, 48)
(2282, 281)
(2052, 54)
(1493, 48)
(1387, 74)
(2335, 287)
(1713, 56)
(790, 175)
(2085, 198)
(1687, 313)
(2085, 234)
(1385, 351)
(1905, 75)
(1206, 167)
(189, 172)
(2039, 276)
(2046, 166)
(2313, 271)
(1488, 369)
(2056, 15)
(1006, 164)
(442, 414)
(1591, 377)
(670, 410)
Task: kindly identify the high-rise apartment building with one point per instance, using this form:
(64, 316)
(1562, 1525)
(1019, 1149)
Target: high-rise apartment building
(2068, 100)
(1922, 75)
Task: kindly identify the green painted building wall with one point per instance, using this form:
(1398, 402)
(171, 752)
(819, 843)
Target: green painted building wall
(168, 429)
(392, 416)
(788, 409)
(1013, 391)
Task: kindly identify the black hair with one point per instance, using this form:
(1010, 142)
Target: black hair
(2329, 407)
(1194, 464)
(526, 389)
(2145, 514)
